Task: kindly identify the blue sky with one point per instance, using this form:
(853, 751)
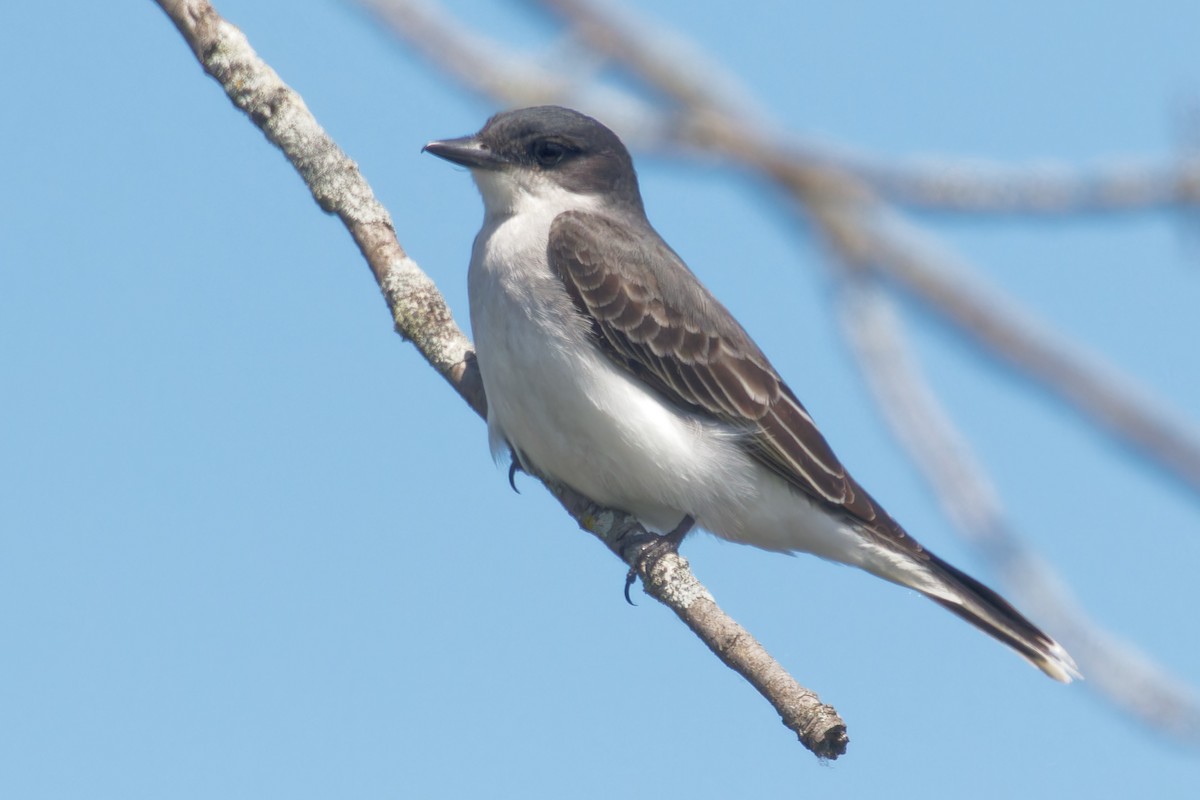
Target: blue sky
(250, 546)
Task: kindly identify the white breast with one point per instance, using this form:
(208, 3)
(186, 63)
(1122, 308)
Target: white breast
(561, 402)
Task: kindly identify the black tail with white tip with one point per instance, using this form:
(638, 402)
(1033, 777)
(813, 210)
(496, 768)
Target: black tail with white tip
(991, 613)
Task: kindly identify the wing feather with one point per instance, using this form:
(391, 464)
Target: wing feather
(652, 316)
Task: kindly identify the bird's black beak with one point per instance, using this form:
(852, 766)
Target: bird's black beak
(466, 150)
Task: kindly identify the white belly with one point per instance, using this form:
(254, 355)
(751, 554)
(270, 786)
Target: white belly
(557, 399)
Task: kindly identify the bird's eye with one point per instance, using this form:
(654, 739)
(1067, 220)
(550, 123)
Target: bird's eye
(548, 153)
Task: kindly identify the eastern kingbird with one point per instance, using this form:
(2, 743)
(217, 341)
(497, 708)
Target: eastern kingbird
(610, 368)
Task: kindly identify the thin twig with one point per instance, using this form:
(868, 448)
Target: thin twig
(421, 315)
(1046, 189)
(474, 60)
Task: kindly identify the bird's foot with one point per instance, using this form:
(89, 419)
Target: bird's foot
(651, 554)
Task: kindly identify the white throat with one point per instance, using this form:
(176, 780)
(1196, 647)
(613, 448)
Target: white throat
(508, 192)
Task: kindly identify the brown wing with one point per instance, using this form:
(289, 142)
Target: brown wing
(653, 316)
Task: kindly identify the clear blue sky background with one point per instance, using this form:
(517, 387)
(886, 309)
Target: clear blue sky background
(250, 546)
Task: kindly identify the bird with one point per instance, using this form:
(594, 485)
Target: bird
(610, 368)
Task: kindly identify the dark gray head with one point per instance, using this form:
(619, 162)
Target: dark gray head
(546, 145)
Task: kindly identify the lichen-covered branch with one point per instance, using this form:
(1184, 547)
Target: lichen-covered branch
(421, 315)
(670, 581)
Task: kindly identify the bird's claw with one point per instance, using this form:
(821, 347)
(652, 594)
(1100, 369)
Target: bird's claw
(653, 552)
(513, 468)
(630, 577)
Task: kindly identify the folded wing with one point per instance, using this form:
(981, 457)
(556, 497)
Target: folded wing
(652, 316)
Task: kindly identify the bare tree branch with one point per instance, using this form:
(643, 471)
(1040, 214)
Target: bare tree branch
(1113, 666)
(421, 315)
(1108, 399)
(702, 89)
(1048, 189)
(474, 60)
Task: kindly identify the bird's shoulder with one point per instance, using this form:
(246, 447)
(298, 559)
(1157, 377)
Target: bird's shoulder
(625, 272)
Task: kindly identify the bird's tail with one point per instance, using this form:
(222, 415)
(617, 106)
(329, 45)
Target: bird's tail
(991, 613)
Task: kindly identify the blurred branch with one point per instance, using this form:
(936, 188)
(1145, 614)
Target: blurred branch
(1114, 667)
(421, 315)
(847, 199)
(1039, 190)
(653, 55)
(475, 61)
(702, 90)
(1107, 398)
(491, 70)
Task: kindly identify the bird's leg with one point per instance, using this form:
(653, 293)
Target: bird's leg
(667, 543)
